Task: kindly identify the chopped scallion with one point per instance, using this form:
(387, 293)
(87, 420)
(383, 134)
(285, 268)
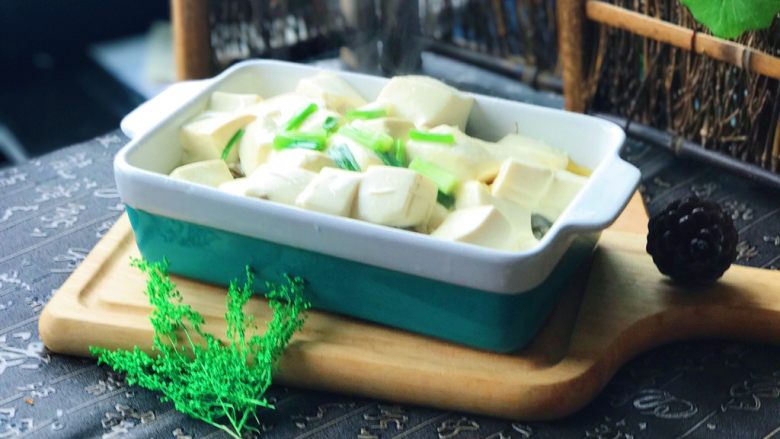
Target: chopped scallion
(231, 143)
(379, 142)
(445, 200)
(301, 117)
(331, 124)
(309, 140)
(424, 136)
(445, 181)
(366, 114)
(343, 157)
(399, 151)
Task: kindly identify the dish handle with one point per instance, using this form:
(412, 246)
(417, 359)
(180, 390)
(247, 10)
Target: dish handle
(600, 205)
(146, 115)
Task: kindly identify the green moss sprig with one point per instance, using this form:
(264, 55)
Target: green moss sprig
(220, 383)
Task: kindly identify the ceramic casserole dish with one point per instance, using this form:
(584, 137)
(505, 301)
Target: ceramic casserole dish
(480, 297)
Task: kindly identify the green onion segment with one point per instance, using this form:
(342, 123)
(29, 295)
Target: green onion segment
(424, 136)
(445, 200)
(366, 114)
(231, 143)
(446, 182)
(295, 122)
(331, 124)
(343, 157)
(314, 140)
(379, 142)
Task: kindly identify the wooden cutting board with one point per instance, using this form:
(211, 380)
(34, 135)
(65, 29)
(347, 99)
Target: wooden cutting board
(626, 308)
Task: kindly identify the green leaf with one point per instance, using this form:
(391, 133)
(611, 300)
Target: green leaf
(220, 383)
(732, 18)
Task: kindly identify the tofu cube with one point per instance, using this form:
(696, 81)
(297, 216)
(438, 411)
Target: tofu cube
(206, 138)
(332, 90)
(238, 186)
(425, 101)
(256, 145)
(209, 172)
(435, 218)
(332, 191)
(300, 158)
(527, 150)
(564, 187)
(522, 183)
(395, 197)
(229, 102)
(278, 185)
(473, 194)
(483, 225)
(467, 158)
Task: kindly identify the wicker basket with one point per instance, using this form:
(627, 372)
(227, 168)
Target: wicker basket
(648, 61)
(511, 37)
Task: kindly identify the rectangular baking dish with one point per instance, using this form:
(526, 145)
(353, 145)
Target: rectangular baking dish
(485, 298)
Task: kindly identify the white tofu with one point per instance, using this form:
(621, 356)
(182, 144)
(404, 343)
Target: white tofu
(278, 185)
(396, 197)
(230, 102)
(393, 126)
(435, 218)
(522, 183)
(564, 187)
(209, 172)
(467, 159)
(278, 110)
(527, 150)
(256, 145)
(475, 194)
(300, 158)
(522, 233)
(483, 225)
(332, 191)
(364, 157)
(239, 186)
(332, 90)
(425, 101)
(206, 138)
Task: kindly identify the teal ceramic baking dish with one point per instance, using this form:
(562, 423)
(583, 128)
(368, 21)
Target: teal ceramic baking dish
(484, 298)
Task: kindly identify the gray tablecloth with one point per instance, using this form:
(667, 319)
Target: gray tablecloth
(54, 209)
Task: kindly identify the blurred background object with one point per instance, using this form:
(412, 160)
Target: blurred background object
(73, 70)
(53, 93)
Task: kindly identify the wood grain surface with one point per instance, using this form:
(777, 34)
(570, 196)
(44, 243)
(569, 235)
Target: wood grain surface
(626, 308)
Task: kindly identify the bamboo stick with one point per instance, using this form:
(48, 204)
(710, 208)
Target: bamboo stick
(570, 41)
(682, 37)
(191, 45)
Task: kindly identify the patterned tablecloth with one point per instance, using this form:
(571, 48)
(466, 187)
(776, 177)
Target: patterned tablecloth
(54, 209)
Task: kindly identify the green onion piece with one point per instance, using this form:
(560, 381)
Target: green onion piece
(299, 118)
(424, 136)
(445, 181)
(343, 157)
(445, 200)
(366, 114)
(231, 143)
(396, 157)
(310, 140)
(379, 142)
(331, 124)
(399, 151)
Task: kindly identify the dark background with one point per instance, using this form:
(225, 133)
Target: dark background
(52, 93)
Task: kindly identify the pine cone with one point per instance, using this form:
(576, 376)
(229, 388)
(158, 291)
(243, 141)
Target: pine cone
(692, 241)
